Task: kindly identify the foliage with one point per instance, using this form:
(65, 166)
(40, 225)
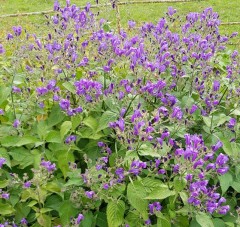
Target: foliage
(139, 128)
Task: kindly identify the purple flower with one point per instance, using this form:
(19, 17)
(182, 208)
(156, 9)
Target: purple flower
(177, 113)
(17, 30)
(49, 166)
(27, 184)
(193, 109)
(5, 195)
(41, 91)
(64, 104)
(70, 139)
(224, 209)
(131, 24)
(171, 11)
(79, 219)
(90, 194)
(147, 222)
(16, 89)
(218, 145)
(1, 112)
(222, 159)
(2, 50)
(153, 207)
(216, 85)
(106, 186)
(232, 123)
(24, 221)
(222, 170)
(2, 161)
(16, 123)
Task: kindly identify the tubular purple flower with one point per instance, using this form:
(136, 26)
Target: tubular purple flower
(222, 159)
(16, 123)
(50, 167)
(1, 112)
(5, 196)
(217, 146)
(79, 219)
(90, 194)
(2, 50)
(27, 184)
(2, 161)
(232, 122)
(223, 170)
(171, 11)
(64, 104)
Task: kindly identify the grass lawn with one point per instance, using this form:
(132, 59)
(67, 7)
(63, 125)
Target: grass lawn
(227, 9)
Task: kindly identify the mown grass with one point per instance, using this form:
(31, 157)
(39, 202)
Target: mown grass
(227, 9)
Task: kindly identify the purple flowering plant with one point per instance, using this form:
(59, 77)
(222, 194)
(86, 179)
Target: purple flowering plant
(137, 127)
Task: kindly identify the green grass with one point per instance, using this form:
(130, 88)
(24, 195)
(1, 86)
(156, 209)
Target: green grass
(227, 9)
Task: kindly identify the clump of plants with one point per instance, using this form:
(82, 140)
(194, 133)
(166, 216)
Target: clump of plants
(132, 128)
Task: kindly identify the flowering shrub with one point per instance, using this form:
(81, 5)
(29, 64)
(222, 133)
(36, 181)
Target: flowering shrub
(139, 128)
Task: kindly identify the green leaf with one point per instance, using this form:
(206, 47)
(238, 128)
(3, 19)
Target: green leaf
(179, 183)
(6, 209)
(163, 221)
(4, 154)
(135, 194)
(65, 128)
(204, 220)
(22, 156)
(101, 219)
(55, 117)
(66, 211)
(91, 122)
(88, 220)
(107, 117)
(4, 93)
(44, 220)
(4, 183)
(160, 193)
(236, 186)
(225, 181)
(115, 213)
(16, 141)
(53, 137)
(218, 222)
(69, 86)
(63, 162)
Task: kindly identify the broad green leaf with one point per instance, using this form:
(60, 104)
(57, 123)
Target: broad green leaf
(163, 221)
(218, 222)
(22, 156)
(225, 181)
(65, 128)
(66, 211)
(4, 183)
(55, 117)
(44, 220)
(69, 86)
(204, 220)
(135, 194)
(105, 119)
(179, 183)
(101, 219)
(115, 213)
(148, 150)
(91, 122)
(4, 154)
(53, 137)
(63, 162)
(236, 186)
(6, 209)
(16, 141)
(160, 193)
(4, 93)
